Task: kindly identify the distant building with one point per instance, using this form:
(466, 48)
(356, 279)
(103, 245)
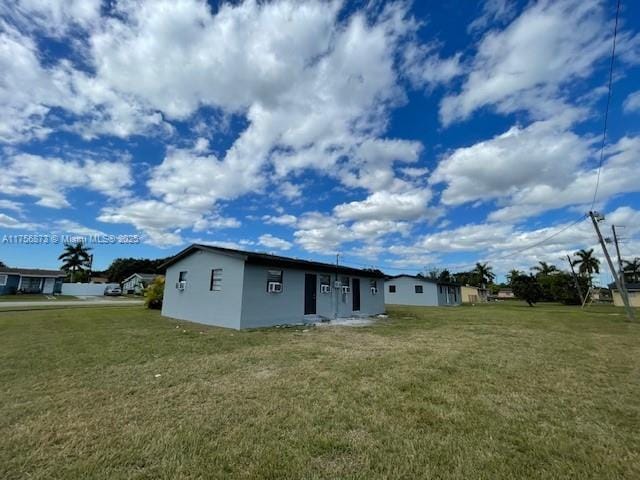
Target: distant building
(505, 294)
(634, 294)
(30, 280)
(137, 282)
(474, 294)
(420, 291)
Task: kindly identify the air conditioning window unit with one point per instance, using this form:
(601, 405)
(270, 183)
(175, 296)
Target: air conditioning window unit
(325, 289)
(374, 290)
(346, 289)
(337, 284)
(274, 287)
(181, 285)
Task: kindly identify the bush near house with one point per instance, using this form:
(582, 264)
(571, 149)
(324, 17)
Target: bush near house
(155, 293)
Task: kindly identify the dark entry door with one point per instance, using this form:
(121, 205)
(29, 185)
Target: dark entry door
(310, 288)
(356, 294)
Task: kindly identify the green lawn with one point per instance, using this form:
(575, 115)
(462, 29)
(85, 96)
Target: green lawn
(493, 392)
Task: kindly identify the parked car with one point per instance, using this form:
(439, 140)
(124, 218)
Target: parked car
(113, 291)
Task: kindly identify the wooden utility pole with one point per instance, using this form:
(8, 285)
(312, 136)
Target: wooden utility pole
(575, 280)
(625, 300)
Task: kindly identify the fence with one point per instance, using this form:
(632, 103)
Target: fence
(89, 289)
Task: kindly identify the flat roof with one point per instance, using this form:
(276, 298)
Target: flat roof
(423, 279)
(266, 259)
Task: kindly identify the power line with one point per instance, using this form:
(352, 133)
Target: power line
(606, 112)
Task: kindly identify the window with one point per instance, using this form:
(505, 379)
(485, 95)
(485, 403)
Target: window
(373, 286)
(418, 288)
(441, 289)
(216, 280)
(274, 279)
(182, 277)
(3, 280)
(392, 289)
(325, 283)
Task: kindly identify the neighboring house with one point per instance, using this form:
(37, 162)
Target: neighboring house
(98, 279)
(634, 294)
(238, 289)
(505, 293)
(601, 295)
(137, 282)
(474, 294)
(30, 280)
(420, 291)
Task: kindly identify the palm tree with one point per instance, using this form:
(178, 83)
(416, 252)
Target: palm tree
(512, 275)
(544, 269)
(632, 269)
(484, 273)
(588, 264)
(74, 257)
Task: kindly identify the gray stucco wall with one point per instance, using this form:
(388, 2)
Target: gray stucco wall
(405, 292)
(263, 309)
(197, 303)
(453, 298)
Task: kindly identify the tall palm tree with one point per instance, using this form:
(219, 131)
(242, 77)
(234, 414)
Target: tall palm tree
(484, 273)
(544, 269)
(74, 257)
(587, 264)
(632, 269)
(512, 275)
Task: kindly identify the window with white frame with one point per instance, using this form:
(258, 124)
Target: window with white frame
(182, 277)
(392, 289)
(373, 286)
(215, 284)
(3, 280)
(418, 289)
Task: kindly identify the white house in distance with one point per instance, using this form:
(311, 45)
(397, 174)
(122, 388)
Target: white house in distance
(239, 289)
(137, 282)
(420, 291)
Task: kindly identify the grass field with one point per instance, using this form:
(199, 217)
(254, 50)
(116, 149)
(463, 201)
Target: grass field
(492, 392)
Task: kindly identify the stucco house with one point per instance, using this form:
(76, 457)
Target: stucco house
(137, 282)
(240, 289)
(474, 294)
(420, 291)
(634, 294)
(30, 280)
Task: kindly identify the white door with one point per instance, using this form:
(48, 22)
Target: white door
(48, 285)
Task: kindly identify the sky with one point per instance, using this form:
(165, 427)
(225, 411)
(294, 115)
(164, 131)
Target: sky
(399, 135)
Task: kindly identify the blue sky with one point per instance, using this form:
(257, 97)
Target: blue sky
(399, 134)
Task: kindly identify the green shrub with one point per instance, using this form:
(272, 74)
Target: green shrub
(154, 293)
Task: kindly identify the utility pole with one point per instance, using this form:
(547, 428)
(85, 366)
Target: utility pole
(625, 300)
(336, 288)
(620, 267)
(575, 280)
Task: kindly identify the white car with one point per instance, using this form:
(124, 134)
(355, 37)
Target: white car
(113, 291)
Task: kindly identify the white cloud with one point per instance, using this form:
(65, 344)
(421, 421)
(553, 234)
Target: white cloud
(383, 205)
(493, 11)
(54, 17)
(524, 66)
(542, 154)
(269, 241)
(426, 69)
(7, 221)
(632, 102)
(284, 219)
(48, 178)
(11, 205)
(619, 175)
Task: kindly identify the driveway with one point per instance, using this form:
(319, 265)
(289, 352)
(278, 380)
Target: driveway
(105, 302)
